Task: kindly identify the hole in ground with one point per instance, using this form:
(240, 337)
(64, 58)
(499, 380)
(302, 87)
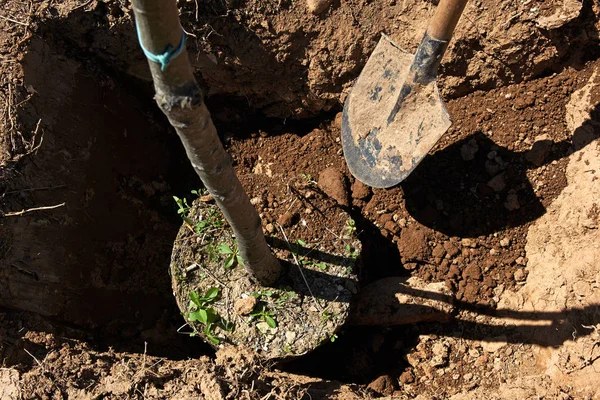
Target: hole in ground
(100, 261)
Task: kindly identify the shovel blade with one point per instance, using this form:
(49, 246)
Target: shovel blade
(379, 152)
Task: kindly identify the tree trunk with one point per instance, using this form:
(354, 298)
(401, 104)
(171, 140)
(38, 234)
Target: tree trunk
(180, 98)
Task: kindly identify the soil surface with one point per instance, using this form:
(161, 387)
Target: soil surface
(503, 212)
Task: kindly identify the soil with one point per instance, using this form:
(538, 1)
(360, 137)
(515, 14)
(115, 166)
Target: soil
(503, 211)
(306, 307)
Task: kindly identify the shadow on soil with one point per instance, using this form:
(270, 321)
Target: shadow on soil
(453, 196)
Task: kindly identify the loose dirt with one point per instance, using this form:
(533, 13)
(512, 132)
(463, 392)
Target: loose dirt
(503, 211)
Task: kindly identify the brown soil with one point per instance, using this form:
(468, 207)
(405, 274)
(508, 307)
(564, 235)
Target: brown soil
(504, 210)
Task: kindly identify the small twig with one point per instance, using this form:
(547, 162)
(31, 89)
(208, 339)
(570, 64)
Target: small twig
(299, 268)
(34, 357)
(81, 5)
(36, 189)
(14, 21)
(24, 211)
(211, 275)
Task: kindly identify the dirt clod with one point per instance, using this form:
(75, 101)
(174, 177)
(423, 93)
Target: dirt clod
(383, 385)
(333, 182)
(245, 305)
(288, 219)
(318, 6)
(540, 150)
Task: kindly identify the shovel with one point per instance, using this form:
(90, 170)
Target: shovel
(394, 114)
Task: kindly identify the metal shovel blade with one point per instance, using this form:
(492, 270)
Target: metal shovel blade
(381, 151)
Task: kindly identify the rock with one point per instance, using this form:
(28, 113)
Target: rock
(438, 251)
(521, 261)
(334, 184)
(492, 167)
(257, 201)
(540, 150)
(472, 271)
(360, 191)
(491, 345)
(569, 11)
(505, 242)
(413, 244)
(383, 385)
(270, 228)
(288, 219)
(451, 249)
(392, 227)
(440, 355)
(512, 202)
(244, 306)
(466, 242)
(337, 121)
(497, 183)
(520, 275)
(290, 337)
(318, 6)
(406, 378)
(468, 150)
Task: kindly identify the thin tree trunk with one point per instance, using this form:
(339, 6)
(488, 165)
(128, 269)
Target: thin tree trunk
(180, 98)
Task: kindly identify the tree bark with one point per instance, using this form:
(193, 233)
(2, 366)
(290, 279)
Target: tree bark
(180, 98)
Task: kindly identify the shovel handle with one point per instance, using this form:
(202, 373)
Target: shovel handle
(446, 17)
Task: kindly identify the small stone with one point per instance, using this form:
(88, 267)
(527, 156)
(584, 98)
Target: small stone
(392, 227)
(466, 242)
(438, 251)
(492, 167)
(491, 345)
(540, 150)
(468, 376)
(520, 275)
(440, 355)
(468, 150)
(505, 242)
(406, 378)
(270, 228)
(309, 194)
(290, 337)
(262, 327)
(451, 249)
(521, 261)
(318, 6)
(512, 202)
(402, 222)
(497, 183)
(256, 201)
(383, 385)
(308, 210)
(337, 122)
(493, 252)
(244, 306)
(474, 353)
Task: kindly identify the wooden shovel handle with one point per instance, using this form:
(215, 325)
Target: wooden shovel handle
(446, 17)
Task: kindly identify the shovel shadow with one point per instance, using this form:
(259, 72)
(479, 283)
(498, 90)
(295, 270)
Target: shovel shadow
(489, 193)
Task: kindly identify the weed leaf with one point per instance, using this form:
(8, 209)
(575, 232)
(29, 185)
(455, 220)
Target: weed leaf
(270, 321)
